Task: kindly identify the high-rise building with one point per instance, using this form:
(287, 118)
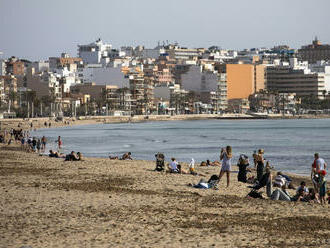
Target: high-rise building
(244, 80)
(288, 79)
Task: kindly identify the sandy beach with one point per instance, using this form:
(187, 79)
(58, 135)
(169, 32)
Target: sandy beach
(7, 124)
(46, 202)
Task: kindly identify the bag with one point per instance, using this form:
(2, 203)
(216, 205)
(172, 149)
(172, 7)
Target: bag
(255, 194)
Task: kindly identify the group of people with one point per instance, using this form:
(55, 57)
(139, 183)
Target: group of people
(280, 184)
(283, 182)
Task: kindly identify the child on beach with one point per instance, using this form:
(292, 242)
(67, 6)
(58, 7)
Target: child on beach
(323, 187)
(59, 143)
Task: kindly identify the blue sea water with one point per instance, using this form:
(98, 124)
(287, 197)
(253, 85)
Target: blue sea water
(289, 144)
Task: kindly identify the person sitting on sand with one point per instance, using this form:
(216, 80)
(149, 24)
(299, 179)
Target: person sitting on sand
(212, 183)
(72, 157)
(266, 180)
(113, 157)
(215, 163)
(80, 156)
(173, 166)
(52, 154)
(203, 163)
(192, 167)
(303, 187)
(301, 193)
(181, 170)
(126, 156)
(243, 163)
(55, 154)
(281, 179)
(280, 194)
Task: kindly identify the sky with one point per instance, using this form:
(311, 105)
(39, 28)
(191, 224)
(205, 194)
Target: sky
(38, 29)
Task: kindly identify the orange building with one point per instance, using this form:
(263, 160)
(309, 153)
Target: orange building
(244, 80)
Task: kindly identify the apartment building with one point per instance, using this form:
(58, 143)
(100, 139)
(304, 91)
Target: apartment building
(315, 52)
(2, 91)
(10, 88)
(2, 67)
(142, 92)
(244, 80)
(64, 61)
(290, 79)
(15, 66)
(93, 52)
(103, 75)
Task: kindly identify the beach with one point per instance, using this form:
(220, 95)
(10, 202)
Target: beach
(6, 124)
(47, 202)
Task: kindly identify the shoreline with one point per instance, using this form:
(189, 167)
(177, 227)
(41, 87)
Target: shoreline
(6, 124)
(38, 123)
(47, 202)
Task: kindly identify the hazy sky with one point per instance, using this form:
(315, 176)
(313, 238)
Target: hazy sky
(38, 29)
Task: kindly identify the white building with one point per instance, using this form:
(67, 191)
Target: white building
(2, 68)
(40, 66)
(92, 53)
(104, 76)
(198, 80)
(323, 68)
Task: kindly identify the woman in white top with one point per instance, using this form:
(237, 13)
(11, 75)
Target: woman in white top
(225, 157)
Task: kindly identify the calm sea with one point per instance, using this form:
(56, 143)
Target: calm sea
(289, 144)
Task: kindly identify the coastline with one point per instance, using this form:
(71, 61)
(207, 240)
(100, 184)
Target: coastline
(7, 124)
(38, 123)
(47, 202)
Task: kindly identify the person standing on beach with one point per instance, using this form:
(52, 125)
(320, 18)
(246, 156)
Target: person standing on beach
(322, 186)
(43, 143)
(225, 157)
(254, 156)
(318, 165)
(260, 164)
(59, 143)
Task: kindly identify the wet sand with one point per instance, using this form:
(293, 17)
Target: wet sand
(46, 202)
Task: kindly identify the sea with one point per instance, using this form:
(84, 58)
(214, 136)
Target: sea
(289, 144)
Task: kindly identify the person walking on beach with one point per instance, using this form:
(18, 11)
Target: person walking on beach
(260, 164)
(225, 157)
(59, 143)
